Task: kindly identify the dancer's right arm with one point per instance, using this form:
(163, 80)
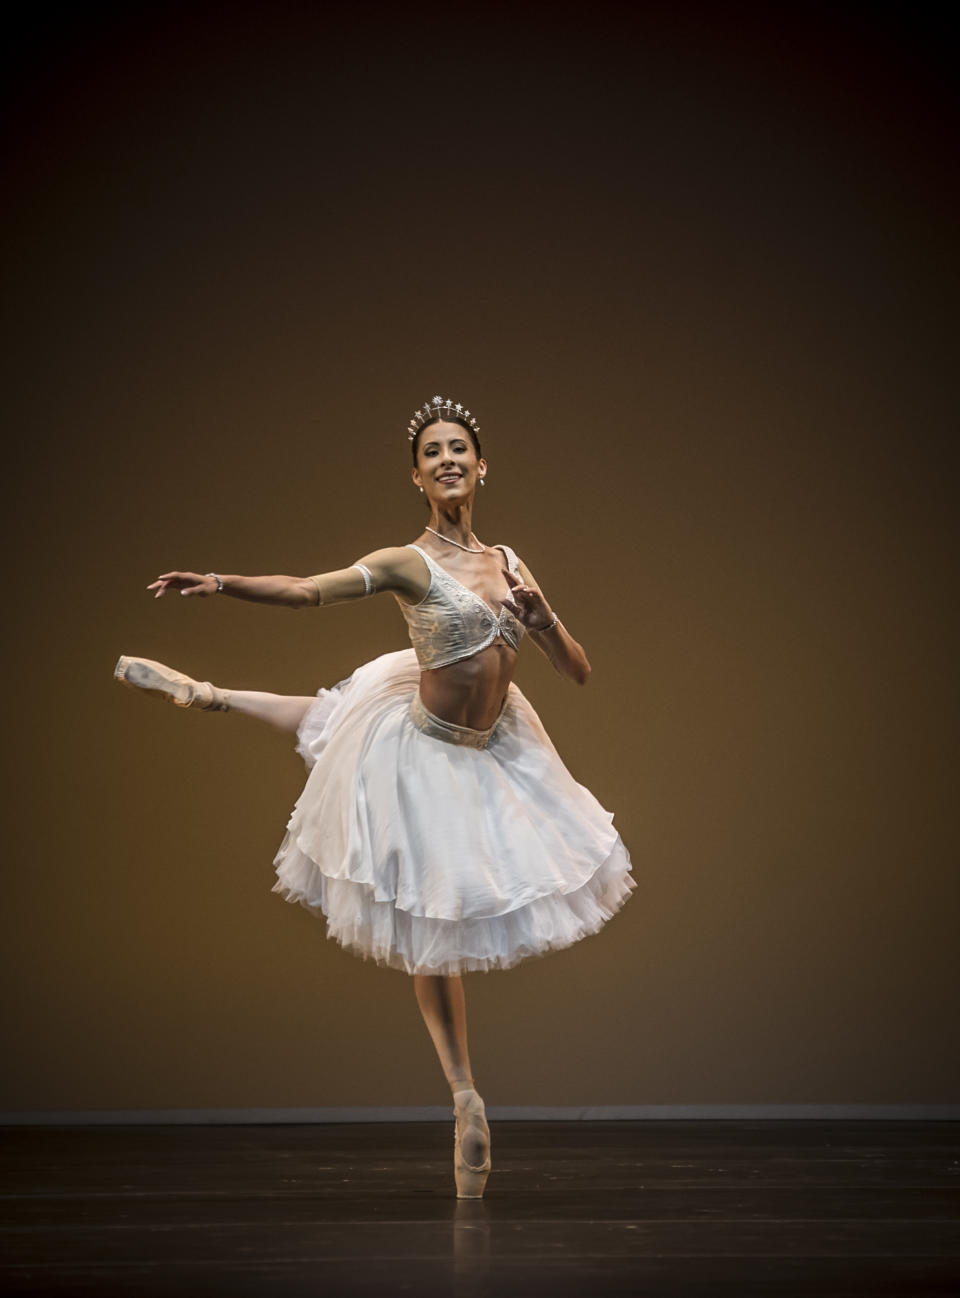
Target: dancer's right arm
(394, 568)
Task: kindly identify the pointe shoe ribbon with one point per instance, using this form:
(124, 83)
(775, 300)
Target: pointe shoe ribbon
(471, 1117)
(163, 682)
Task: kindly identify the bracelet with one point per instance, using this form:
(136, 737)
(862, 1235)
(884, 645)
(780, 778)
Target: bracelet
(219, 581)
(549, 627)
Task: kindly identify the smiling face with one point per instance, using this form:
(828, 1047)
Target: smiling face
(447, 468)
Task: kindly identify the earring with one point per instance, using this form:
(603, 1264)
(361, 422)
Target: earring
(421, 489)
(483, 482)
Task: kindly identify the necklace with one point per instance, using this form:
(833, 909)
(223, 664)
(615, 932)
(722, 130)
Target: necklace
(482, 549)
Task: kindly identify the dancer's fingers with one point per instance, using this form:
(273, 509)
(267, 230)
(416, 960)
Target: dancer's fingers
(194, 578)
(188, 583)
(523, 591)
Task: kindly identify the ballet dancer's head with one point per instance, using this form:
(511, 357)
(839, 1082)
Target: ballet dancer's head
(447, 462)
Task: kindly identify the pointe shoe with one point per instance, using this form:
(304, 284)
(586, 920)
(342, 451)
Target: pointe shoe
(165, 683)
(471, 1116)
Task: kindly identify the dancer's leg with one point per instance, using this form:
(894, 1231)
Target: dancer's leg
(285, 711)
(444, 1009)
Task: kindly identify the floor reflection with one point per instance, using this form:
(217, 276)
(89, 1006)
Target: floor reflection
(470, 1246)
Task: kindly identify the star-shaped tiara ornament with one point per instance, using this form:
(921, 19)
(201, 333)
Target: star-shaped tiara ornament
(438, 406)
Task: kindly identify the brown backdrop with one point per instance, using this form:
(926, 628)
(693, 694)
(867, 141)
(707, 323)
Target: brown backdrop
(694, 275)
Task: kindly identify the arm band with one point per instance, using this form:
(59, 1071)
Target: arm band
(368, 586)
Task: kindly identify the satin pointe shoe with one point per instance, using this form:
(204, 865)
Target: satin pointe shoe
(471, 1119)
(165, 683)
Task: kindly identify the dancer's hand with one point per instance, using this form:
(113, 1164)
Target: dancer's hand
(187, 583)
(528, 605)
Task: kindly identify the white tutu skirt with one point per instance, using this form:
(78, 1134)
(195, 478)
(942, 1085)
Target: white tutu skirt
(431, 856)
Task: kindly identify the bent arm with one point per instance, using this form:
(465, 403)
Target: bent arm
(565, 654)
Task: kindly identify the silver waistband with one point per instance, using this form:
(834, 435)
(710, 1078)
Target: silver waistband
(437, 728)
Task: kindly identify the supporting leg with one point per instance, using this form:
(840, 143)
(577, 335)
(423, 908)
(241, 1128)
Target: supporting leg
(444, 1009)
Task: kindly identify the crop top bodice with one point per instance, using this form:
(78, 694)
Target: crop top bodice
(452, 622)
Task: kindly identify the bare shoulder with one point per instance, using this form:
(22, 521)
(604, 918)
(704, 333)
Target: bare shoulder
(525, 573)
(397, 568)
(506, 551)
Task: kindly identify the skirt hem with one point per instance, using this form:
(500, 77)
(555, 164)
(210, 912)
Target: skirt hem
(546, 924)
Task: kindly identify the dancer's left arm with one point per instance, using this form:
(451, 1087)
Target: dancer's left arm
(531, 608)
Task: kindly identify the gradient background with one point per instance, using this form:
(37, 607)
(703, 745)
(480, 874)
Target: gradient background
(695, 272)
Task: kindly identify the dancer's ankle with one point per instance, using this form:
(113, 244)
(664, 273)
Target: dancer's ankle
(219, 701)
(462, 1084)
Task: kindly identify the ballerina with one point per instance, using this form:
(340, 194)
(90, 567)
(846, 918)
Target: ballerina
(438, 831)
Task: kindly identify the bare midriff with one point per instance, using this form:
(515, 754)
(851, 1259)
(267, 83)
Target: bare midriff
(470, 692)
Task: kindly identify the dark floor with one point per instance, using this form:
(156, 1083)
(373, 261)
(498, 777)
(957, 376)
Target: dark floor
(691, 1208)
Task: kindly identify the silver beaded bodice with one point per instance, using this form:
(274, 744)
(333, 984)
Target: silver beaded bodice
(452, 622)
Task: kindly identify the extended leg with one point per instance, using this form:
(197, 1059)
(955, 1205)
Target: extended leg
(285, 711)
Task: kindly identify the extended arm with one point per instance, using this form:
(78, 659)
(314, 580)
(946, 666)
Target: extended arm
(566, 655)
(393, 568)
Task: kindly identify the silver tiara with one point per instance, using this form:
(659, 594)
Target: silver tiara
(430, 409)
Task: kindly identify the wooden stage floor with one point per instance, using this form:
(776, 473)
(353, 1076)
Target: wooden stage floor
(571, 1208)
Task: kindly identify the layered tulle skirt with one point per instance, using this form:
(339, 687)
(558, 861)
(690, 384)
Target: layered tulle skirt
(433, 848)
